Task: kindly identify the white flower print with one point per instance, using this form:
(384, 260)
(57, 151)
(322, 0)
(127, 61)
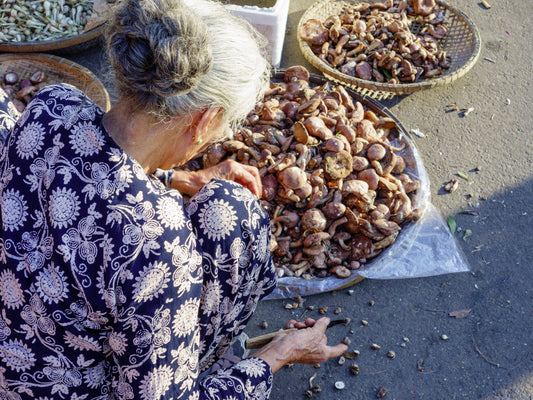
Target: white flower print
(52, 284)
(162, 336)
(117, 342)
(30, 240)
(240, 253)
(123, 177)
(185, 318)
(86, 139)
(124, 391)
(151, 282)
(262, 250)
(161, 318)
(132, 234)
(217, 219)
(211, 297)
(143, 338)
(34, 314)
(80, 239)
(5, 331)
(143, 211)
(94, 377)
(10, 290)
(68, 377)
(14, 210)
(243, 194)
(156, 383)
(105, 187)
(30, 140)
(16, 355)
(170, 213)
(251, 366)
(64, 207)
(81, 343)
(162, 333)
(69, 116)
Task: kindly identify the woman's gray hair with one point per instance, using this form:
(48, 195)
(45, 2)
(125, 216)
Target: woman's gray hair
(173, 57)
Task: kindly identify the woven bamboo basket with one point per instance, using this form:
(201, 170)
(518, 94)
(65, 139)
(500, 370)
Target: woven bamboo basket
(66, 45)
(462, 44)
(57, 70)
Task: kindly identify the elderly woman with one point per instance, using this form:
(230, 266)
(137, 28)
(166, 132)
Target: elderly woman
(110, 286)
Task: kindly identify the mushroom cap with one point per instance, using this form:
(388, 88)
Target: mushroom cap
(338, 165)
(292, 178)
(314, 219)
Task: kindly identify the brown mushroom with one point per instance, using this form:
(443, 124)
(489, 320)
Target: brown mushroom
(364, 70)
(338, 165)
(313, 220)
(296, 72)
(370, 177)
(314, 32)
(424, 7)
(316, 127)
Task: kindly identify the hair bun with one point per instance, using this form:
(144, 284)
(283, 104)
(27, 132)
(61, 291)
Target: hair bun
(158, 48)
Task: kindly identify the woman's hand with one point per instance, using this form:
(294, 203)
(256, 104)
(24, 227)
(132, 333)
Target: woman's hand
(303, 346)
(188, 182)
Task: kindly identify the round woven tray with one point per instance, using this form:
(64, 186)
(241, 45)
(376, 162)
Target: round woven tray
(66, 45)
(462, 44)
(57, 70)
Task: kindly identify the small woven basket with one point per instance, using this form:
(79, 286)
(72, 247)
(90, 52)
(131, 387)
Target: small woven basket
(67, 45)
(57, 70)
(462, 44)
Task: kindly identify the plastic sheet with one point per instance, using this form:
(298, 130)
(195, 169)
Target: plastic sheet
(423, 248)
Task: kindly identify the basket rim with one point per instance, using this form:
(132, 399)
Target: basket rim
(390, 88)
(62, 63)
(53, 44)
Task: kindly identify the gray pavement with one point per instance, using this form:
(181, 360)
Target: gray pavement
(488, 354)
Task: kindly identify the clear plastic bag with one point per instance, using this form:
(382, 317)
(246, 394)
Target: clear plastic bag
(423, 248)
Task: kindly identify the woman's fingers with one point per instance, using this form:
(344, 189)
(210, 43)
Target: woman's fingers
(249, 178)
(246, 175)
(335, 351)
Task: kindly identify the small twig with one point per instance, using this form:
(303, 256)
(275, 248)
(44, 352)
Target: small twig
(432, 310)
(489, 60)
(377, 372)
(497, 365)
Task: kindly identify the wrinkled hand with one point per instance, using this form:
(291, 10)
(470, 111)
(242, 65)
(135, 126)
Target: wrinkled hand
(303, 346)
(246, 175)
(190, 182)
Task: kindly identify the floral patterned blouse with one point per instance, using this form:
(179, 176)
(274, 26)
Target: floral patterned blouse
(110, 286)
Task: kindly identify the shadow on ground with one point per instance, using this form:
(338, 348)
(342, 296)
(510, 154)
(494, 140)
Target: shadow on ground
(487, 355)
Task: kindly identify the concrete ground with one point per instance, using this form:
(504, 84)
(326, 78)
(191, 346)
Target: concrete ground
(488, 354)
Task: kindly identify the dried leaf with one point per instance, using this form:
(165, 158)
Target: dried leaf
(467, 234)
(452, 224)
(462, 175)
(460, 313)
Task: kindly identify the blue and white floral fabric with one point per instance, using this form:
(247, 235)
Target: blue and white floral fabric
(110, 287)
(8, 115)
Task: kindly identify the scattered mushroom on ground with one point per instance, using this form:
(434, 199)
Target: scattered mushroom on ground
(336, 188)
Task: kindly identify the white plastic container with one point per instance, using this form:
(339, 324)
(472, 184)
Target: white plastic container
(270, 22)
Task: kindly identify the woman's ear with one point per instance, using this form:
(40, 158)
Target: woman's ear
(203, 119)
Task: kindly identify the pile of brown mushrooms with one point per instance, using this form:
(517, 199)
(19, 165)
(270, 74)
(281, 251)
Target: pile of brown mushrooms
(393, 41)
(334, 185)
